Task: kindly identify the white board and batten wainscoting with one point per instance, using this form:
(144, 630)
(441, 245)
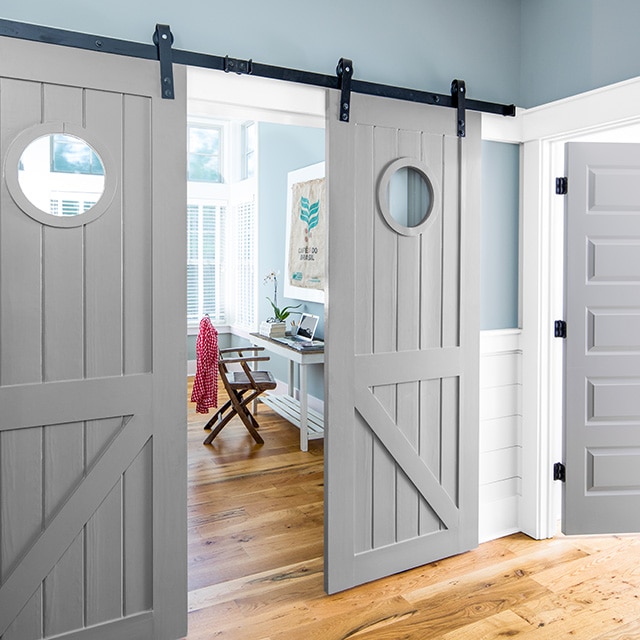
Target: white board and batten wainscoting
(500, 472)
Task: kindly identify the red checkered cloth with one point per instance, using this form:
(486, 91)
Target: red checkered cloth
(205, 385)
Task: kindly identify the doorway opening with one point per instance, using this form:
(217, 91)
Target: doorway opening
(255, 512)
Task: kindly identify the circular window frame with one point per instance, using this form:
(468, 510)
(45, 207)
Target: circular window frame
(12, 160)
(383, 195)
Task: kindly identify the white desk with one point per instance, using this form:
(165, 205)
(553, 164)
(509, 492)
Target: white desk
(310, 422)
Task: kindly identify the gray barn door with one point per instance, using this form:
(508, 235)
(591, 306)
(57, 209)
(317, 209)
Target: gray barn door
(92, 362)
(602, 351)
(401, 466)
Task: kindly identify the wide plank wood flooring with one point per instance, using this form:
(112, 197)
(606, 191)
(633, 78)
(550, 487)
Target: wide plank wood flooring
(255, 524)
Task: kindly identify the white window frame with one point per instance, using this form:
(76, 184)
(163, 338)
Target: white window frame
(214, 125)
(247, 151)
(236, 194)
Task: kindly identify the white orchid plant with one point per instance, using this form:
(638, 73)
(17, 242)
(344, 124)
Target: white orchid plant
(279, 315)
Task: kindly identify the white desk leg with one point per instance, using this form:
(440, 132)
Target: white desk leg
(304, 434)
(291, 390)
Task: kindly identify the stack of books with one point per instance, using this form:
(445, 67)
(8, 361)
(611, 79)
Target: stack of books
(273, 329)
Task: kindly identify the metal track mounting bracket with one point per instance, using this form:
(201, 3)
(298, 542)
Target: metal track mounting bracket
(459, 95)
(163, 39)
(345, 72)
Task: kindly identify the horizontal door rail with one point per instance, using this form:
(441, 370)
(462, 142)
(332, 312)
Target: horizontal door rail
(50, 35)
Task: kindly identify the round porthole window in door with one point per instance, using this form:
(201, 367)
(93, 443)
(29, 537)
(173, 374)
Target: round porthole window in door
(58, 177)
(407, 196)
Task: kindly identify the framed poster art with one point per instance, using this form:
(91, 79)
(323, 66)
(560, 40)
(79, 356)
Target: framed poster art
(305, 253)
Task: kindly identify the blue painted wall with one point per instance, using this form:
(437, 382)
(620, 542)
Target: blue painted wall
(421, 44)
(526, 52)
(283, 148)
(571, 46)
(499, 236)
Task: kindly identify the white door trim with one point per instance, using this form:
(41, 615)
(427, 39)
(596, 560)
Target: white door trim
(542, 132)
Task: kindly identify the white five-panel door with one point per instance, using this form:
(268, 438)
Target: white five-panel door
(92, 352)
(602, 351)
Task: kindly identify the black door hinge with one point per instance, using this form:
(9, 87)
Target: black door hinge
(560, 329)
(562, 186)
(559, 472)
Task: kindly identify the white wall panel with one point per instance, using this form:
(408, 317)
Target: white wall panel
(500, 477)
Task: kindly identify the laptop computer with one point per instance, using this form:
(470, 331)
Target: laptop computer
(305, 331)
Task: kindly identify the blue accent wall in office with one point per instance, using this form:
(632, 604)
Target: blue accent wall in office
(281, 149)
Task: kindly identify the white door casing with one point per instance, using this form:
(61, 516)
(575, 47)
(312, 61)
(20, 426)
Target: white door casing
(92, 357)
(401, 467)
(602, 351)
(605, 113)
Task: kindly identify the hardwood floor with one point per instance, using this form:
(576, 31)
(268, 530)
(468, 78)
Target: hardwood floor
(256, 570)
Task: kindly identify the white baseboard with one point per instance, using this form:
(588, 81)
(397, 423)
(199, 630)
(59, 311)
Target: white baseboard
(498, 519)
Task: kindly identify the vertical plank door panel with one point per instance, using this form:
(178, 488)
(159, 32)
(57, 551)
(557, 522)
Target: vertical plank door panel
(364, 334)
(136, 204)
(104, 242)
(63, 303)
(20, 276)
(410, 297)
(138, 530)
(64, 448)
(385, 336)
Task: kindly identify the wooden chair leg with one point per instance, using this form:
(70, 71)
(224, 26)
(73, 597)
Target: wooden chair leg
(247, 418)
(217, 415)
(220, 413)
(237, 405)
(217, 430)
(246, 403)
(249, 421)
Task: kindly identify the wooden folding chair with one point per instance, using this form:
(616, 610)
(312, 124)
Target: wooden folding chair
(243, 387)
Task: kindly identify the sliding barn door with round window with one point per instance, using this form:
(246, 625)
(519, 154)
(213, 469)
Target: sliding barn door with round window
(402, 339)
(92, 346)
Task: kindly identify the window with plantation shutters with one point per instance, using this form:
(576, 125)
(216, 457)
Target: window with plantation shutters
(206, 240)
(67, 207)
(245, 284)
(221, 223)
